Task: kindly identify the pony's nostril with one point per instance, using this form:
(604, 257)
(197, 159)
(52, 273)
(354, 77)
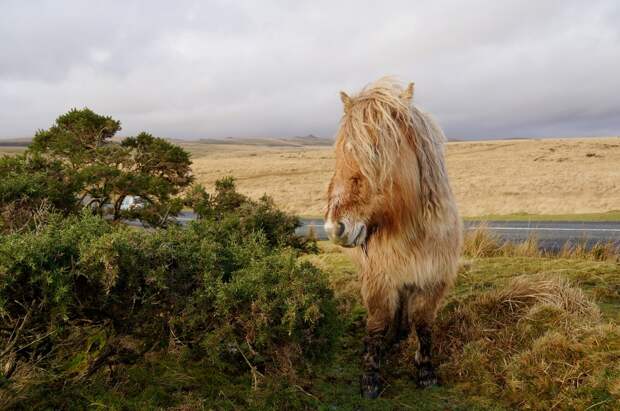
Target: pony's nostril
(340, 230)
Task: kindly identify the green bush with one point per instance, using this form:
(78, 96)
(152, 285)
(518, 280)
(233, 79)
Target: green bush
(76, 163)
(91, 293)
(241, 214)
(39, 267)
(30, 183)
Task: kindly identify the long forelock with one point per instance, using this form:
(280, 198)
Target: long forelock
(375, 129)
(378, 125)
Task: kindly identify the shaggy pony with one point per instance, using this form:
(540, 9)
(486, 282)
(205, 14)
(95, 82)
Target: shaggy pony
(390, 202)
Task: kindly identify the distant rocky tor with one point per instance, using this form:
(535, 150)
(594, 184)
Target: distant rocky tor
(309, 140)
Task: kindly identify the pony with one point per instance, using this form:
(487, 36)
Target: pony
(390, 203)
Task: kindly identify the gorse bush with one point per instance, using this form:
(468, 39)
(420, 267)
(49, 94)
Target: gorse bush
(239, 213)
(87, 296)
(39, 267)
(29, 183)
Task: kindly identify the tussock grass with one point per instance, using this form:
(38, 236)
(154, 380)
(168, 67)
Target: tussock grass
(481, 242)
(536, 342)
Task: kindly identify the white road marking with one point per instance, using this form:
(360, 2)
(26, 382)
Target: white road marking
(615, 230)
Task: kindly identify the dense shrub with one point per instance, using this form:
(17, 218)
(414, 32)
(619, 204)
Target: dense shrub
(236, 212)
(30, 183)
(222, 296)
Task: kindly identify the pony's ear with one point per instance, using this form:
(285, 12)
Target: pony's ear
(346, 100)
(407, 94)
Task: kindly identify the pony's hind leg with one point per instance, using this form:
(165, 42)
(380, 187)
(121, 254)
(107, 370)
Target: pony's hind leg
(423, 307)
(381, 304)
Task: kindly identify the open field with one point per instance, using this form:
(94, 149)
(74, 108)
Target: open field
(555, 179)
(556, 176)
(11, 149)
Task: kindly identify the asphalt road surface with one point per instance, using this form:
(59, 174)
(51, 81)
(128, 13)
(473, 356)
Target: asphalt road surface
(552, 235)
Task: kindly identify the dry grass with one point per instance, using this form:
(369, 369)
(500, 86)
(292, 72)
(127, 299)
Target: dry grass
(536, 343)
(481, 242)
(11, 150)
(296, 178)
(557, 176)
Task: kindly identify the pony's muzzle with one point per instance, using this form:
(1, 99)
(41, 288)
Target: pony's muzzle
(345, 233)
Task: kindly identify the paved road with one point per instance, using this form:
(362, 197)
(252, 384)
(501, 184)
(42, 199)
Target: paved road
(552, 235)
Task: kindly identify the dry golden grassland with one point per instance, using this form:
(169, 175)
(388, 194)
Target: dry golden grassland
(11, 150)
(555, 176)
(550, 177)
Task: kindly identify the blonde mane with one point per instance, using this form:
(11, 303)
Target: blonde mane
(379, 123)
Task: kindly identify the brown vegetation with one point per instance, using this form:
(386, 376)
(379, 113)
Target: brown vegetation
(556, 176)
(537, 342)
(481, 242)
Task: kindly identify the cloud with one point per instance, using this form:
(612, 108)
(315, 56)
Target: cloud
(485, 69)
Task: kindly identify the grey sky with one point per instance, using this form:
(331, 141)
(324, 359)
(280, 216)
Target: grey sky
(191, 69)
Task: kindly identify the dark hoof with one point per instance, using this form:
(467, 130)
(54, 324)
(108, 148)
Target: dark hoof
(426, 376)
(370, 385)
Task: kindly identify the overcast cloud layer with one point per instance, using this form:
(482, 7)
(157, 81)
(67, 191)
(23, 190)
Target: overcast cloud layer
(194, 69)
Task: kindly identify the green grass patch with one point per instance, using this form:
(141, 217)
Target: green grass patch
(516, 332)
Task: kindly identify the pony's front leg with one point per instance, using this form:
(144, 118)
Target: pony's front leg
(426, 371)
(423, 310)
(370, 381)
(381, 304)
